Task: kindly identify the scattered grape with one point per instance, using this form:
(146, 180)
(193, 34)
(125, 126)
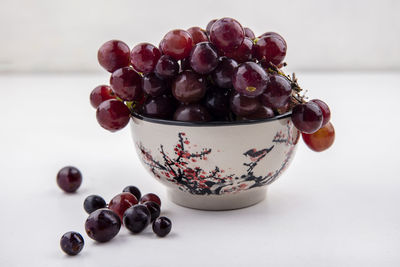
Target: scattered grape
(69, 179)
(72, 243)
(102, 225)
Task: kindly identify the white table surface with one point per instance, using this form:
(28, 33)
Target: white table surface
(336, 208)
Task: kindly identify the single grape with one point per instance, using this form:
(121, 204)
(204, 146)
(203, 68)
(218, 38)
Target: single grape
(133, 190)
(69, 179)
(161, 107)
(217, 102)
(227, 34)
(153, 85)
(72, 243)
(127, 84)
(136, 218)
(102, 225)
(209, 25)
(326, 112)
(162, 226)
(188, 87)
(113, 55)
(100, 94)
(222, 75)
(150, 197)
(144, 57)
(262, 112)
(112, 115)
(250, 79)
(270, 48)
(249, 33)
(177, 44)
(242, 105)
(166, 67)
(321, 139)
(278, 91)
(153, 208)
(273, 34)
(203, 58)
(243, 53)
(192, 113)
(93, 202)
(121, 202)
(198, 35)
(307, 117)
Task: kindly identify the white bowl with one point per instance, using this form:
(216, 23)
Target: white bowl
(215, 165)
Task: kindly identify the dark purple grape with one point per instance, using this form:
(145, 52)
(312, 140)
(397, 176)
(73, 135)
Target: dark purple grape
(162, 226)
(273, 34)
(198, 35)
(153, 208)
(203, 58)
(161, 107)
(72, 243)
(222, 75)
(326, 112)
(307, 117)
(153, 85)
(249, 33)
(100, 94)
(127, 84)
(166, 67)
(102, 225)
(185, 64)
(112, 115)
(177, 44)
(150, 197)
(133, 190)
(188, 87)
(94, 202)
(136, 218)
(192, 113)
(242, 105)
(250, 79)
(209, 25)
(243, 53)
(278, 91)
(144, 57)
(69, 179)
(270, 48)
(113, 55)
(217, 102)
(262, 112)
(227, 34)
(121, 202)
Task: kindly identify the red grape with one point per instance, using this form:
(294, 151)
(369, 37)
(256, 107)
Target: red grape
(121, 202)
(273, 34)
(307, 117)
(262, 112)
(249, 33)
(192, 113)
(166, 67)
(198, 35)
(127, 84)
(243, 53)
(161, 107)
(227, 34)
(188, 87)
(144, 57)
(177, 44)
(203, 58)
(270, 48)
(100, 94)
(209, 25)
(113, 55)
(152, 85)
(162, 226)
(222, 75)
(278, 91)
(250, 79)
(185, 64)
(321, 139)
(326, 112)
(150, 197)
(69, 179)
(112, 115)
(217, 101)
(242, 105)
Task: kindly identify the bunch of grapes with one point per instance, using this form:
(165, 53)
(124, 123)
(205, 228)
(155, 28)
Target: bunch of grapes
(223, 73)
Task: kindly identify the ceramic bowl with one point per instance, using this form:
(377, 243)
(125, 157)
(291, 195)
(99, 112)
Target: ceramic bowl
(215, 165)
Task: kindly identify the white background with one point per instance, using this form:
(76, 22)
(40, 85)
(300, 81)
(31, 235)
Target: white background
(336, 208)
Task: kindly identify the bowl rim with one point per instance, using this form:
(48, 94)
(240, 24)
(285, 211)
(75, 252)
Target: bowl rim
(208, 124)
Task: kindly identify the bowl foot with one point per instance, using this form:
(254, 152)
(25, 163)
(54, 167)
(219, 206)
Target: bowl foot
(218, 202)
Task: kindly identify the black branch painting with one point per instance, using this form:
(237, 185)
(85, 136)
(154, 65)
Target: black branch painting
(181, 168)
